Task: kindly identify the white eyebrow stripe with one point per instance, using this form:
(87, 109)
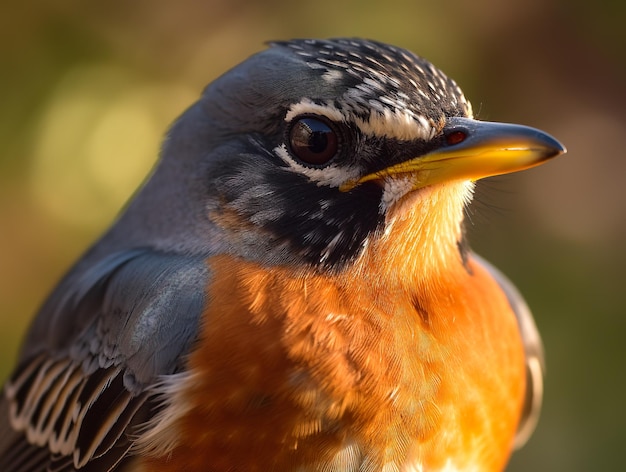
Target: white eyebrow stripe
(307, 106)
(386, 121)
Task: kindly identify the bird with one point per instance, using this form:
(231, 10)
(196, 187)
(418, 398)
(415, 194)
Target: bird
(291, 288)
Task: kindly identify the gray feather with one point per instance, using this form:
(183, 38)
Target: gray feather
(117, 328)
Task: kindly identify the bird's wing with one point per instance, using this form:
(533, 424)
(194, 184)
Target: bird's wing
(100, 343)
(533, 347)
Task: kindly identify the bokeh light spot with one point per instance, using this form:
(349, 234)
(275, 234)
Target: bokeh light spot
(97, 139)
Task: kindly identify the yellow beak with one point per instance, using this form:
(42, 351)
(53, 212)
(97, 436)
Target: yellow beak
(471, 150)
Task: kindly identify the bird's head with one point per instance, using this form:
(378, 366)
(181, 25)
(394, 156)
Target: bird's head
(309, 150)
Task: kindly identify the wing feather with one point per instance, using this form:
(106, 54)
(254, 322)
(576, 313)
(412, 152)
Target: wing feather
(77, 403)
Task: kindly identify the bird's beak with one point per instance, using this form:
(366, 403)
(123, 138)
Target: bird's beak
(472, 150)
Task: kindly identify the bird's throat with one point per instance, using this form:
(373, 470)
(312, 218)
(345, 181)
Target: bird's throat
(422, 238)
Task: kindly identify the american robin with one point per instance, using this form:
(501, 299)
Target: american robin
(291, 289)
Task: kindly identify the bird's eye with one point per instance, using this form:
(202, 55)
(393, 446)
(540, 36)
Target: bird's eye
(313, 141)
(455, 137)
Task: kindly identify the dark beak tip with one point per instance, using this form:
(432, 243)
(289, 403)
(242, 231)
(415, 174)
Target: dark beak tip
(554, 148)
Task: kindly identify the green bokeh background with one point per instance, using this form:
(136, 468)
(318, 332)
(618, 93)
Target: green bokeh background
(88, 88)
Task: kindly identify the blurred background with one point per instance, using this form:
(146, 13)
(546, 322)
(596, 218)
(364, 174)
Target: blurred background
(87, 90)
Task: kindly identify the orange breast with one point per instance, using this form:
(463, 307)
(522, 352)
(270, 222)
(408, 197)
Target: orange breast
(305, 372)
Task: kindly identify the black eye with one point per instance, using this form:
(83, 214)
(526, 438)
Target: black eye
(313, 141)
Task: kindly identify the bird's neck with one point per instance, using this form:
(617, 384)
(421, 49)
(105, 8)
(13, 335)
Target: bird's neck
(422, 239)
